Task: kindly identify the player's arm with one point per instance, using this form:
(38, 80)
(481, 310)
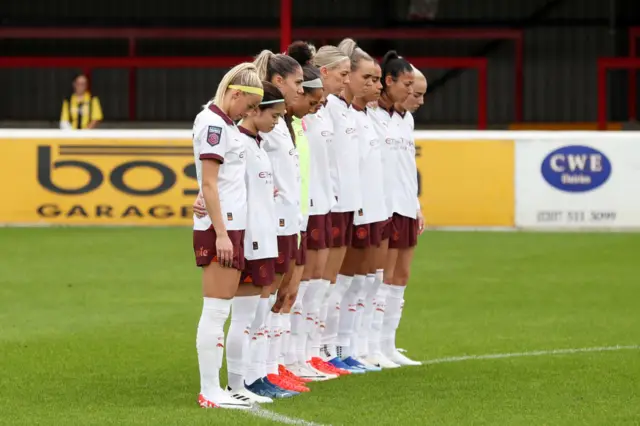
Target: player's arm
(210, 170)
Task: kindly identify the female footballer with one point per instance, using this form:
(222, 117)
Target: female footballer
(399, 278)
(218, 238)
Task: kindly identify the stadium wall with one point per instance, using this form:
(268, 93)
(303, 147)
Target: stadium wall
(520, 180)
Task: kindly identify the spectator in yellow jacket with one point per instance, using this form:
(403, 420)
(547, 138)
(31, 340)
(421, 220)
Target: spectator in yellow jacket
(80, 110)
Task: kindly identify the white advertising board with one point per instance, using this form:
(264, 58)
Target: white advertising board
(578, 183)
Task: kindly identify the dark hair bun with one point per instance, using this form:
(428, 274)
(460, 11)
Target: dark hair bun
(300, 51)
(390, 56)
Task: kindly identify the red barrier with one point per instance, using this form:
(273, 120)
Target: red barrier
(285, 33)
(479, 64)
(634, 34)
(604, 65)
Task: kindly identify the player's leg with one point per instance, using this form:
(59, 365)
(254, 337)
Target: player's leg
(340, 279)
(394, 308)
(219, 285)
(315, 300)
(355, 265)
(275, 334)
(404, 241)
(243, 312)
(376, 270)
(376, 355)
(256, 372)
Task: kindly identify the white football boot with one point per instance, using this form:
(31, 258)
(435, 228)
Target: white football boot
(245, 394)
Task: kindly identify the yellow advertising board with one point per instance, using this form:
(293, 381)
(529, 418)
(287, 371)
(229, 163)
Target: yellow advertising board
(136, 181)
(97, 182)
(466, 182)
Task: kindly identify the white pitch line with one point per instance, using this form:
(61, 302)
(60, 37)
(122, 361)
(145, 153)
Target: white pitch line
(281, 418)
(531, 353)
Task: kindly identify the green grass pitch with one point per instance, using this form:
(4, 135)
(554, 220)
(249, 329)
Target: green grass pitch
(97, 327)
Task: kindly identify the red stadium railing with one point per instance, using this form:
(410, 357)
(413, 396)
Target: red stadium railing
(285, 33)
(634, 34)
(604, 65)
(88, 64)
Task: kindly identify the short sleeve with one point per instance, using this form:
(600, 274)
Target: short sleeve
(96, 109)
(211, 138)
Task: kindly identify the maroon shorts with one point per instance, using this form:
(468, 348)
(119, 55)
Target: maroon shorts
(404, 232)
(368, 235)
(287, 245)
(386, 229)
(204, 247)
(319, 232)
(301, 252)
(341, 229)
(260, 272)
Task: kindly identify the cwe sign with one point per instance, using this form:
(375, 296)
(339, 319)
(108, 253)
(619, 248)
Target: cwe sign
(577, 183)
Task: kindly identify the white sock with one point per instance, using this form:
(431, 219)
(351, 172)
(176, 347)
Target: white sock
(298, 331)
(243, 312)
(378, 317)
(258, 347)
(392, 315)
(348, 309)
(370, 289)
(210, 344)
(310, 305)
(275, 331)
(330, 336)
(357, 335)
(285, 326)
(316, 334)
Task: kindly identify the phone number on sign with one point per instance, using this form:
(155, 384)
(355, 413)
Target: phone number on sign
(554, 216)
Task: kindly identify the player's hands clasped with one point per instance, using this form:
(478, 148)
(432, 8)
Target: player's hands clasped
(199, 208)
(224, 250)
(420, 219)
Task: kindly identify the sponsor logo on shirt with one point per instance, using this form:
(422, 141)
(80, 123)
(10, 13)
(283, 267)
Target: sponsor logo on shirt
(350, 130)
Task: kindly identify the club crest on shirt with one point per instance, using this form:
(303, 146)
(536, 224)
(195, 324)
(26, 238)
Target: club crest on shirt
(229, 216)
(255, 245)
(213, 135)
(282, 223)
(360, 212)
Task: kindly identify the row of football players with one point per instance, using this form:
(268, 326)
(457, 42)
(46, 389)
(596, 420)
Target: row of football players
(306, 221)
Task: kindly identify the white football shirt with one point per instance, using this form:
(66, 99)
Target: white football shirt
(387, 133)
(260, 238)
(286, 173)
(343, 156)
(374, 208)
(405, 180)
(216, 137)
(399, 161)
(320, 133)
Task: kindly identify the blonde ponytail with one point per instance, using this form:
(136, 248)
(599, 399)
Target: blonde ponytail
(262, 63)
(350, 48)
(244, 74)
(329, 57)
